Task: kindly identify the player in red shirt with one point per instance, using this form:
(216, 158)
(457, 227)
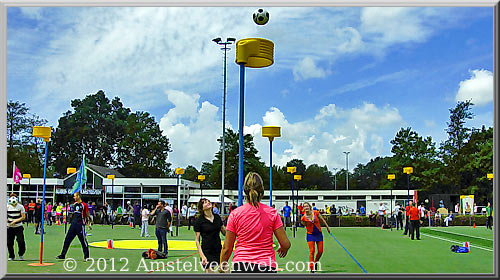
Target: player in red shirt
(77, 228)
(415, 221)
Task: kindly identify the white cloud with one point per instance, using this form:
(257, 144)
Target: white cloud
(479, 88)
(32, 12)
(307, 69)
(323, 138)
(192, 129)
(396, 25)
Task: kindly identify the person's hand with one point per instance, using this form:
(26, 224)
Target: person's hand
(12, 223)
(282, 252)
(204, 260)
(328, 229)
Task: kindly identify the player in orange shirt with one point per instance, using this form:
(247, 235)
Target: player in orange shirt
(415, 221)
(311, 220)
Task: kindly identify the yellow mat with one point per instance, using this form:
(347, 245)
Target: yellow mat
(184, 245)
(176, 245)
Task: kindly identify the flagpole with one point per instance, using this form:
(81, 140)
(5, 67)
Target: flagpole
(13, 174)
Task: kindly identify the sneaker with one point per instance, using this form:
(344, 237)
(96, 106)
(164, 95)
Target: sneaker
(21, 258)
(11, 259)
(86, 259)
(148, 235)
(60, 257)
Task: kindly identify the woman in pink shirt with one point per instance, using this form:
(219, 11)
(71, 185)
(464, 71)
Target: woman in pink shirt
(253, 224)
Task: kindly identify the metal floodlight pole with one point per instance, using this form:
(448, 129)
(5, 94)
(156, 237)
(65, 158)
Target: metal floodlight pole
(335, 170)
(347, 169)
(225, 49)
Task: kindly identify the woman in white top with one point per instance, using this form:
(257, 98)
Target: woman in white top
(145, 221)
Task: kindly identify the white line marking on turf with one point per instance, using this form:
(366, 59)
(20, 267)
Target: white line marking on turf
(455, 241)
(451, 232)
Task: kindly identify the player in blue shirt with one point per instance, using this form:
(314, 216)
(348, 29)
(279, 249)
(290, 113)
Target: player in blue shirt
(77, 228)
(286, 214)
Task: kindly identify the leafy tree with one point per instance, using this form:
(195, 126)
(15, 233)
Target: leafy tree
(17, 122)
(144, 150)
(450, 150)
(26, 150)
(191, 173)
(478, 158)
(317, 177)
(412, 150)
(251, 162)
(108, 135)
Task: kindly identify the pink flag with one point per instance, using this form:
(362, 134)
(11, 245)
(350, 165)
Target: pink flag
(17, 175)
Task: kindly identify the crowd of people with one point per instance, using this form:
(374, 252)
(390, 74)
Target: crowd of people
(253, 224)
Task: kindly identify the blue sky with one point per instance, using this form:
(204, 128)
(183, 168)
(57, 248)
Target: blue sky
(344, 79)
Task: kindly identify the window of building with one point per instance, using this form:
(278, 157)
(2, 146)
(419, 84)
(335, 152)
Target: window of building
(344, 197)
(330, 197)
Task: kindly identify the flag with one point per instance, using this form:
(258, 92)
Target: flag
(81, 178)
(17, 175)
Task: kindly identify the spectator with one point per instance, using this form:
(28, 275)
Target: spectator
(38, 216)
(457, 208)
(253, 224)
(137, 214)
(314, 206)
(286, 214)
(415, 221)
(333, 216)
(31, 212)
(422, 213)
(91, 206)
(407, 221)
(489, 218)
(399, 217)
(467, 208)
(449, 218)
(167, 206)
(215, 209)
(372, 217)
(362, 210)
(145, 222)
(163, 220)
(191, 215)
(184, 210)
(176, 214)
(381, 215)
(59, 210)
(475, 208)
(49, 213)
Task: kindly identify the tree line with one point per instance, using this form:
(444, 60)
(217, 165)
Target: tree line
(111, 135)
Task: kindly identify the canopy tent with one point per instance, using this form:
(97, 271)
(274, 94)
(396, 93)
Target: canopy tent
(216, 199)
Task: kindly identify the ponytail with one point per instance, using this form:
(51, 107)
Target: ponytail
(254, 188)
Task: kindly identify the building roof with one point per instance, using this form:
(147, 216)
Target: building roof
(103, 171)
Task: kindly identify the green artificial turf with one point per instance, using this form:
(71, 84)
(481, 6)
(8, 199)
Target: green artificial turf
(376, 250)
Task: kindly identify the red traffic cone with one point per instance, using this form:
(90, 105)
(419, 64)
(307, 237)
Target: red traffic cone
(382, 226)
(110, 244)
(131, 224)
(474, 225)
